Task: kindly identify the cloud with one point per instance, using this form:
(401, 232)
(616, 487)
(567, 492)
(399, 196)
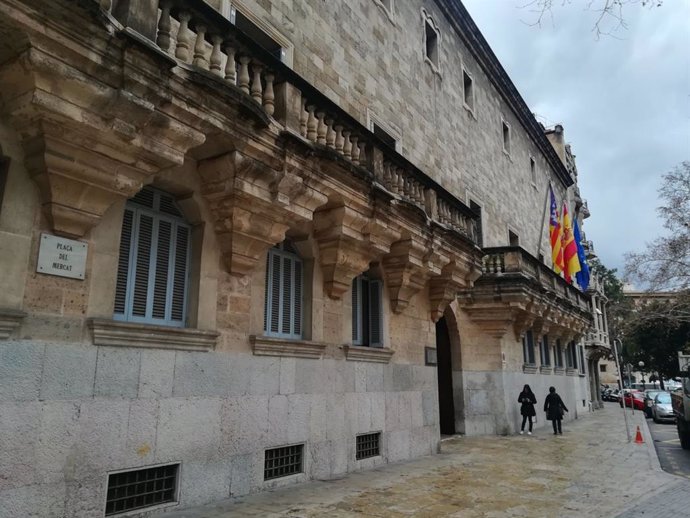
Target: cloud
(624, 102)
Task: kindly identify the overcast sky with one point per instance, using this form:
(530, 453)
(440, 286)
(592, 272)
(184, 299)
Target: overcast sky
(624, 102)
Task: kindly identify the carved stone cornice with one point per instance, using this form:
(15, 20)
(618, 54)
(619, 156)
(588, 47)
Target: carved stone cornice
(129, 334)
(408, 266)
(348, 241)
(270, 346)
(368, 354)
(458, 274)
(253, 206)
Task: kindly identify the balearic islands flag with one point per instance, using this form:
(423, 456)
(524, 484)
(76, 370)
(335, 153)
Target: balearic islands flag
(572, 263)
(555, 235)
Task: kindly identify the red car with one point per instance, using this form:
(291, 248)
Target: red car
(633, 397)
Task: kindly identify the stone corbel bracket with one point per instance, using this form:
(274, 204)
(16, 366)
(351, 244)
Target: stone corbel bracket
(408, 266)
(459, 272)
(253, 206)
(348, 241)
(88, 142)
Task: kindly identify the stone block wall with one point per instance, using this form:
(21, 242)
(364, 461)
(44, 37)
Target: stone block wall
(73, 413)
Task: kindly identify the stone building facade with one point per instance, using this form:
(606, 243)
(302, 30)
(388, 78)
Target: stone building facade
(248, 244)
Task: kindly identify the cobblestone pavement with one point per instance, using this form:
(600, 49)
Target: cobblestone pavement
(591, 470)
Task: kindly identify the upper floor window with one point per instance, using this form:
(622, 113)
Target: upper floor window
(367, 311)
(558, 353)
(262, 33)
(528, 348)
(153, 266)
(431, 41)
(284, 288)
(506, 137)
(513, 238)
(533, 171)
(477, 223)
(467, 90)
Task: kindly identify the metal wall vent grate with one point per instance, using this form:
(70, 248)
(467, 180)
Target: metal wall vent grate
(141, 488)
(281, 462)
(368, 445)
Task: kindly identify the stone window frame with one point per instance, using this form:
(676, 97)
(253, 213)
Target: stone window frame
(533, 171)
(392, 129)
(470, 107)
(512, 231)
(428, 20)
(297, 277)
(388, 10)
(506, 137)
(200, 332)
(528, 352)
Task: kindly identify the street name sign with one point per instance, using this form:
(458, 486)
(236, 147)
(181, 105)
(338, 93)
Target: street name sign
(62, 257)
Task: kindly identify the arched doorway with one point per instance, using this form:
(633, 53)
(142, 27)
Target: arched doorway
(446, 403)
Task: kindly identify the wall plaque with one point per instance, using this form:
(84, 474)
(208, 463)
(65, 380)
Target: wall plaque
(62, 257)
(430, 356)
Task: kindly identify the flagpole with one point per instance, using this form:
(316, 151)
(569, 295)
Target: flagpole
(543, 218)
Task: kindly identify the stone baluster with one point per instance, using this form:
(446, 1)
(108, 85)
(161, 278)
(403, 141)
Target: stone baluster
(347, 145)
(339, 139)
(269, 95)
(230, 65)
(183, 38)
(320, 128)
(400, 187)
(330, 132)
(200, 48)
(164, 27)
(311, 123)
(257, 91)
(243, 77)
(354, 154)
(303, 118)
(216, 55)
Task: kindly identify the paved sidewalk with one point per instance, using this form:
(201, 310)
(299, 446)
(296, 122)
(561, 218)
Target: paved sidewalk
(591, 470)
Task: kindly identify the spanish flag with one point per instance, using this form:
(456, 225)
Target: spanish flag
(556, 235)
(569, 246)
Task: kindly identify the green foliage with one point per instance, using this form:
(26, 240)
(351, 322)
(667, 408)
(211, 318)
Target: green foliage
(655, 339)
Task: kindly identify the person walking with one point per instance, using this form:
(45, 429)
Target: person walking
(554, 407)
(528, 400)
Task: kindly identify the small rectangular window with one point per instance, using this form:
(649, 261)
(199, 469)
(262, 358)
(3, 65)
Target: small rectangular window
(431, 42)
(602, 368)
(283, 462)
(506, 137)
(468, 90)
(251, 29)
(141, 488)
(513, 238)
(533, 171)
(368, 445)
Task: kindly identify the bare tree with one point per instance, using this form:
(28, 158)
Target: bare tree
(665, 264)
(609, 14)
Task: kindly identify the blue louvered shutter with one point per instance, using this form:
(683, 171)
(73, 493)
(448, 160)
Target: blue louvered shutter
(375, 314)
(153, 267)
(356, 311)
(284, 288)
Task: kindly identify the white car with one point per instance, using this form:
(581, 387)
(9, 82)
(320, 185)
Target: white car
(662, 409)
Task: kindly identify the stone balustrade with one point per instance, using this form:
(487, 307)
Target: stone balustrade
(199, 37)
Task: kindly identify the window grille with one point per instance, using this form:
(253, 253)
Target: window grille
(284, 288)
(367, 311)
(282, 462)
(141, 488)
(153, 265)
(368, 445)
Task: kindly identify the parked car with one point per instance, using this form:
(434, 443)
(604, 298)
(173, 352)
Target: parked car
(633, 398)
(662, 409)
(649, 395)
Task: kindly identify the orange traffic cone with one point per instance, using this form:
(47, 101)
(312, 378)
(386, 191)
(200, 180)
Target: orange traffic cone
(638, 436)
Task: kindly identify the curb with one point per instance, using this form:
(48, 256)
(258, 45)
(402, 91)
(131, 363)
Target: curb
(654, 462)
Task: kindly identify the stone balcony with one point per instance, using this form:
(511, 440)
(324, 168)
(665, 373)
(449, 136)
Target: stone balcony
(108, 94)
(518, 292)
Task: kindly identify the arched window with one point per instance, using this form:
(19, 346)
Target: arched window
(152, 273)
(284, 288)
(367, 311)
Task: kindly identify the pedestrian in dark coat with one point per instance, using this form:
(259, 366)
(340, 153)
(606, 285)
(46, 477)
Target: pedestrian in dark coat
(528, 400)
(554, 407)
